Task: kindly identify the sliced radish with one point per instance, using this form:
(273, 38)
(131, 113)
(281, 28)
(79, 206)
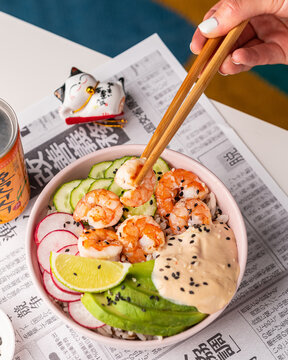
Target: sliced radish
(61, 286)
(56, 293)
(71, 249)
(82, 316)
(57, 221)
(54, 241)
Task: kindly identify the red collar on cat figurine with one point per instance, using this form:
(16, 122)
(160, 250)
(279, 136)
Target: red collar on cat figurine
(84, 99)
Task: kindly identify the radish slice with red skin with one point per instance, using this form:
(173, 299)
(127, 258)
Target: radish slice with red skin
(57, 221)
(71, 249)
(54, 241)
(56, 293)
(61, 286)
(82, 316)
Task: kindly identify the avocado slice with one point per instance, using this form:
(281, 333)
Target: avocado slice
(111, 316)
(136, 305)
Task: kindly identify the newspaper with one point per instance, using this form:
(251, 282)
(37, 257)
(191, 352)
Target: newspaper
(255, 325)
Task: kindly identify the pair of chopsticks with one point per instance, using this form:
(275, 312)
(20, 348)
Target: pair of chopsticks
(175, 115)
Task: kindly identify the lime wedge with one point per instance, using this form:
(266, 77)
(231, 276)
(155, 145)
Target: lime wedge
(85, 274)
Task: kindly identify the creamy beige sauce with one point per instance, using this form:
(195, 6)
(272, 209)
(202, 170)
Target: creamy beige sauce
(198, 268)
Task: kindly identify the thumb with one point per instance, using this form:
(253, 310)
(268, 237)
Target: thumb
(230, 13)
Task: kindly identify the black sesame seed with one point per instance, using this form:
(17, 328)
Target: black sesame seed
(227, 238)
(181, 188)
(193, 235)
(189, 211)
(67, 250)
(196, 204)
(192, 242)
(99, 266)
(168, 259)
(181, 193)
(167, 215)
(226, 228)
(197, 191)
(103, 304)
(194, 257)
(193, 262)
(200, 229)
(197, 285)
(77, 224)
(114, 172)
(166, 277)
(180, 240)
(157, 256)
(128, 299)
(159, 172)
(169, 244)
(125, 209)
(151, 202)
(186, 227)
(49, 207)
(221, 223)
(220, 212)
(191, 279)
(191, 283)
(229, 265)
(120, 234)
(151, 297)
(191, 292)
(177, 273)
(157, 298)
(114, 302)
(172, 238)
(106, 242)
(205, 283)
(161, 269)
(123, 287)
(178, 228)
(138, 285)
(159, 177)
(64, 225)
(75, 274)
(167, 266)
(182, 180)
(74, 222)
(182, 289)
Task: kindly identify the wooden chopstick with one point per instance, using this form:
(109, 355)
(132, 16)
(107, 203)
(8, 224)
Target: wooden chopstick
(195, 70)
(163, 136)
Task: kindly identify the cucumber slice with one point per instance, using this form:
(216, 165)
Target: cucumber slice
(78, 192)
(98, 170)
(119, 191)
(111, 171)
(149, 208)
(100, 184)
(160, 168)
(61, 199)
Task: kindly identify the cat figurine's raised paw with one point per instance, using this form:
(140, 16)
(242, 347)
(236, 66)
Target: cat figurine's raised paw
(85, 99)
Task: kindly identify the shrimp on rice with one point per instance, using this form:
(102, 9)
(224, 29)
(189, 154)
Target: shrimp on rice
(189, 212)
(100, 208)
(175, 185)
(100, 244)
(140, 236)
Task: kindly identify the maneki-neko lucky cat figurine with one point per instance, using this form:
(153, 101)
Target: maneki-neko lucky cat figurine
(85, 99)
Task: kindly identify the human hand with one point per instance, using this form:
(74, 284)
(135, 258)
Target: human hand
(263, 41)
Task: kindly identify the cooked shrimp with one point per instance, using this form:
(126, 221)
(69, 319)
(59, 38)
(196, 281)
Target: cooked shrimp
(100, 208)
(177, 184)
(189, 212)
(100, 244)
(125, 177)
(140, 236)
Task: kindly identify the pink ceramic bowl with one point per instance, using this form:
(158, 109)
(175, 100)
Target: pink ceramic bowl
(80, 169)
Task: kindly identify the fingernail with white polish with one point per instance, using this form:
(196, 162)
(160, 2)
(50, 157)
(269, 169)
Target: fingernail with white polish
(235, 62)
(222, 73)
(208, 25)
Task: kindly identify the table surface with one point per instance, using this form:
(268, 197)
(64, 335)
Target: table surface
(35, 62)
